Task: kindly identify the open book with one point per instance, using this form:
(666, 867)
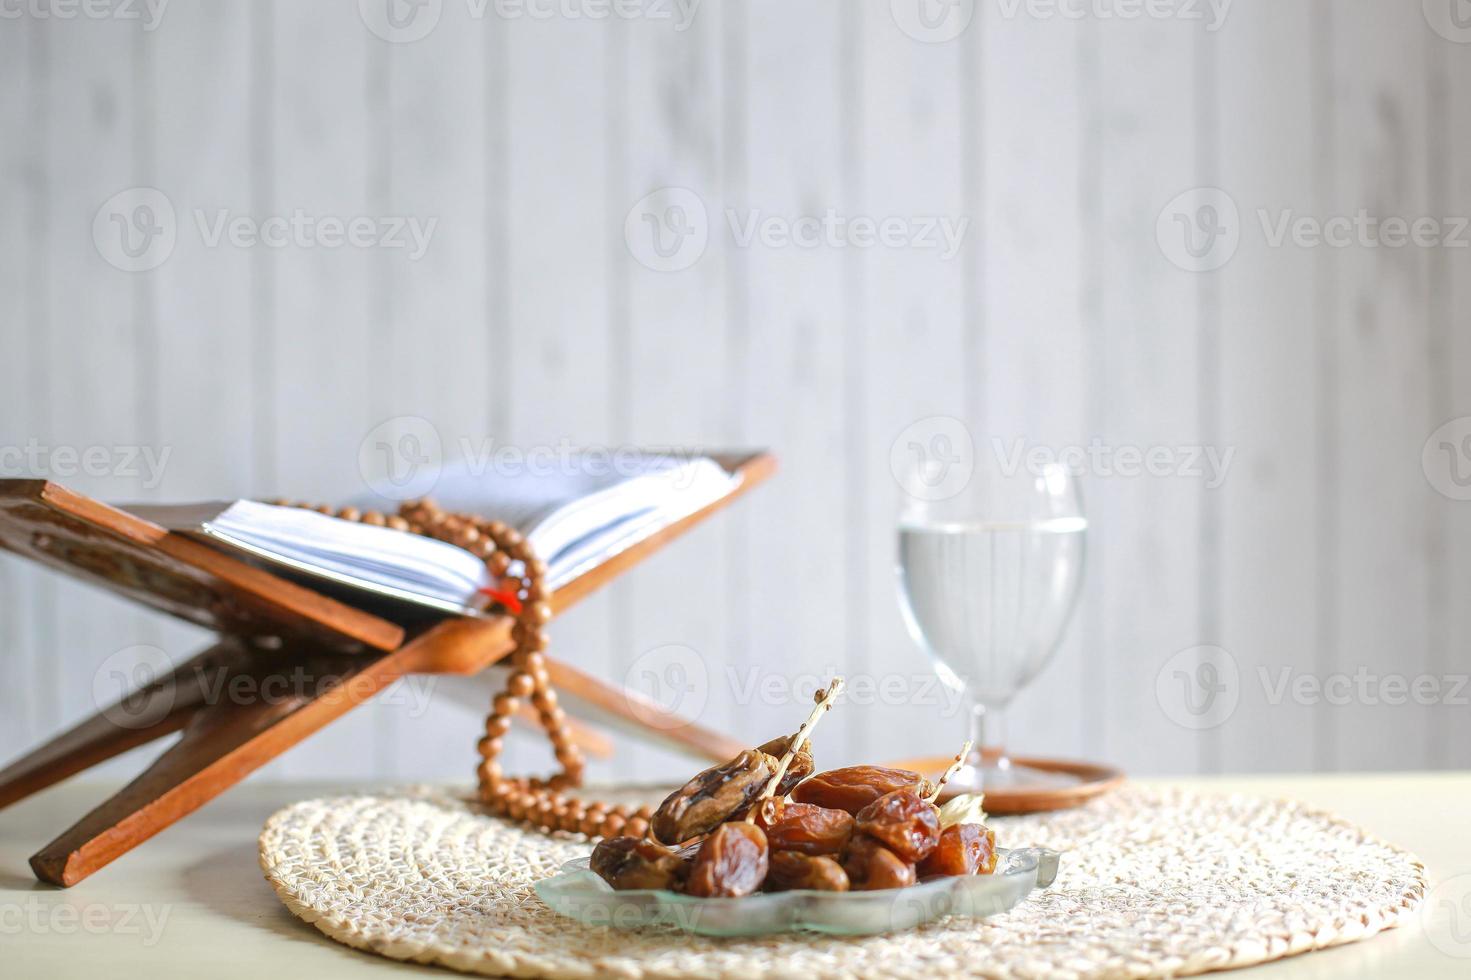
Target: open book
(575, 518)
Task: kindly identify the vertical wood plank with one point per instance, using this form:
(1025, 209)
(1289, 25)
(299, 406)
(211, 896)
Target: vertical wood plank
(791, 391)
(94, 153)
(1380, 336)
(198, 92)
(670, 141)
(437, 358)
(1268, 349)
(909, 142)
(1449, 360)
(322, 118)
(555, 361)
(1029, 372)
(1143, 531)
(23, 164)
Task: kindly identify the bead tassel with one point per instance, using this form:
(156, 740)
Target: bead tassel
(523, 593)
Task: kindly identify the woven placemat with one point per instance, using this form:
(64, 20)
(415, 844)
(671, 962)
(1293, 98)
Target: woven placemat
(1152, 884)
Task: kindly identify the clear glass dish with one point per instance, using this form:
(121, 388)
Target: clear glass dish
(579, 894)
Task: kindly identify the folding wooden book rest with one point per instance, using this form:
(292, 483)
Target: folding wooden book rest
(270, 629)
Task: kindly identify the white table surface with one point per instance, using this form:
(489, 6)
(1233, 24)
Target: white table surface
(192, 902)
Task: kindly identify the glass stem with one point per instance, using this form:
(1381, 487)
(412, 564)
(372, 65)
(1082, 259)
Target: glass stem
(988, 735)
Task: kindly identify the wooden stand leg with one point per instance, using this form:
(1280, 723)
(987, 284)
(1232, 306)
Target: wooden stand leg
(238, 708)
(259, 705)
(153, 711)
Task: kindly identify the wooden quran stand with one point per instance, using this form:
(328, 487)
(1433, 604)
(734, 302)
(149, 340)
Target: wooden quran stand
(272, 631)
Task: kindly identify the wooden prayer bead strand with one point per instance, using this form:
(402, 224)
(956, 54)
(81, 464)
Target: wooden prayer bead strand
(502, 547)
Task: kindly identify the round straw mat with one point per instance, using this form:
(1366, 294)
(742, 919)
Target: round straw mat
(1152, 884)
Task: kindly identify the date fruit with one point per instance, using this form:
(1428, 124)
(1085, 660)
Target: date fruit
(732, 862)
(804, 827)
(964, 849)
(792, 870)
(855, 787)
(872, 866)
(798, 769)
(712, 797)
(906, 824)
(632, 862)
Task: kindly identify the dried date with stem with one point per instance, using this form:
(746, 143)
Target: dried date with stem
(798, 742)
(712, 797)
(801, 765)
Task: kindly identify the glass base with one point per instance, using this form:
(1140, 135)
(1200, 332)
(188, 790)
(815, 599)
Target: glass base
(993, 774)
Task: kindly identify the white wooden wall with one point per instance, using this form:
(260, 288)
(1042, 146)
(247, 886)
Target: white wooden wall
(1326, 551)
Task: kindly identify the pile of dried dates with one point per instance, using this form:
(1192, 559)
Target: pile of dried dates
(764, 822)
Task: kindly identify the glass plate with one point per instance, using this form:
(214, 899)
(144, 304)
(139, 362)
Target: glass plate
(579, 894)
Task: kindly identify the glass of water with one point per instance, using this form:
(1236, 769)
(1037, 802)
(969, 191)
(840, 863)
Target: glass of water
(989, 575)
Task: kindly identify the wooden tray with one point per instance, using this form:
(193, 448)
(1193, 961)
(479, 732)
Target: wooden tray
(1094, 780)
